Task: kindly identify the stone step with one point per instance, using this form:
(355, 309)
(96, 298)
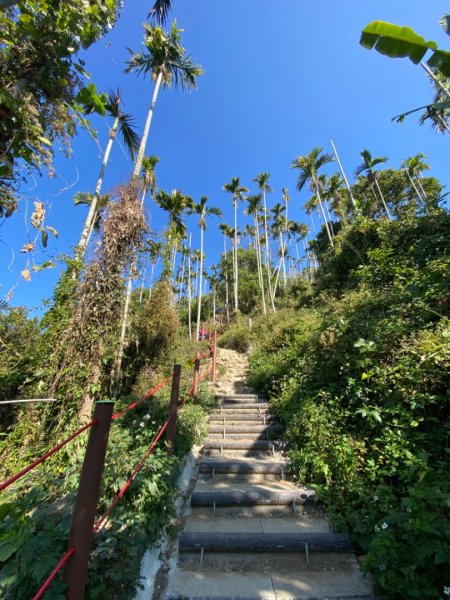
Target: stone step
(258, 445)
(254, 495)
(270, 584)
(204, 520)
(213, 428)
(243, 436)
(194, 541)
(241, 466)
(241, 416)
(251, 406)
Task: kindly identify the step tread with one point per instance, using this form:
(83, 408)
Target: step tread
(193, 541)
(293, 585)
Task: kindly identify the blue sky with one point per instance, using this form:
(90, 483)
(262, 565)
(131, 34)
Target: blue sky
(280, 77)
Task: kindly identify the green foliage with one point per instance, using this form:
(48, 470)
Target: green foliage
(359, 378)
(40, 81)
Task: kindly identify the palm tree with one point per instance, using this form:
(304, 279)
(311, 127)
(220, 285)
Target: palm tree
(413, 166)
(309, 166)
(177, 205)
(262, 179)
(254, 208)
(238, 191)
(338, 196)
(148, 175)
(226, 230)
(438, 116)
(164, 57)
(367, 167)
(203, 212)
(279, 224)
(123, 123)
(300, 231)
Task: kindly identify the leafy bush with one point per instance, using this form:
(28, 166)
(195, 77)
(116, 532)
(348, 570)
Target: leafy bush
(359, 380)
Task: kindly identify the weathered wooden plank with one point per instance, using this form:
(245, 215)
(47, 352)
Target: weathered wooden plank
(252, 498)
(264, 542)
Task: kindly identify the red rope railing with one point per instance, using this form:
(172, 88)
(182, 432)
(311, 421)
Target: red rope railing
(53, 574)
(150, 393)
(98, 525)
(124, 488)
(44, 457)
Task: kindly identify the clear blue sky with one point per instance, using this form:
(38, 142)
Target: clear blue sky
(280, 77)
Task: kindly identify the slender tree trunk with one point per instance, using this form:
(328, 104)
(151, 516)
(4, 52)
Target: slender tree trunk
(382, 199)
(214, 306)
(90, 218)
(330, 222)
(183, 264)
(189, 290)
(344, 176)
(152, 272)
(117, 371)
(330, 238)
(259, 265)
(412, 182)
(227, 304)
(141, 152)
(267, 253)
(282, 248)
(236, 303)
(199, 303)
(419, 178)
(174, 260)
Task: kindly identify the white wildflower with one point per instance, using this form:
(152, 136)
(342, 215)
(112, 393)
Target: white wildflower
(141, 424)
(377, 529)
(384, 526)
(447, 590)
(376, 498)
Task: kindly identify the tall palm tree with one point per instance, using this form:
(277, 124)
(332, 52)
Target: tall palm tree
(164, 57)
(237, 191)
(226, 230)
(338, 196)
(413, 166)
(262, 180)
(278, 226)
(123, 123)
(367, 168)
(203, 212)
(102, 203)
(309, 166)
(148, 175)
(177, 205)
(254, 208)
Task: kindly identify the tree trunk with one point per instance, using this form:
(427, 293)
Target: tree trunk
(259, 265)
(227, 299)
(189, 290)
(123, 331)
(236, 303)
(199, 303)
(140, 156)
(323, 214)
(90, 218)
(347, 185)
(282, 248)
(382, 199)
(267, 253)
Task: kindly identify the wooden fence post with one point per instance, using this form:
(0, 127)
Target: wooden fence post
(81, 531)
(214, 358)
(173, 406)
(196, 377)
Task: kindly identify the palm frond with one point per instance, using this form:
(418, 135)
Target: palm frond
(160, 11)
(129, 135)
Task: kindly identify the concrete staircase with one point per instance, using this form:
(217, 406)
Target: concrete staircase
(251, 534)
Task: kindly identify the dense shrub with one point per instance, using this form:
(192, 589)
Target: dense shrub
(360, 380)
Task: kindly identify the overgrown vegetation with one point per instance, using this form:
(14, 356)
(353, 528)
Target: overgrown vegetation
(359, 377)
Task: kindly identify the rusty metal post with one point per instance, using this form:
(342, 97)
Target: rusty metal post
(173, 406)
(81, 531)
(214, 358)
(196, 377)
